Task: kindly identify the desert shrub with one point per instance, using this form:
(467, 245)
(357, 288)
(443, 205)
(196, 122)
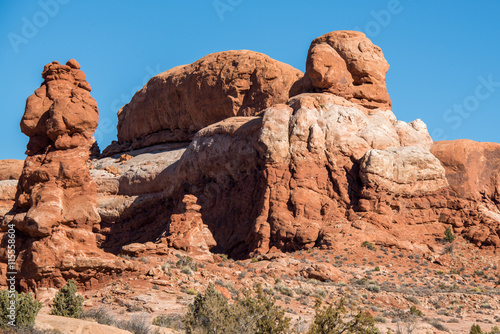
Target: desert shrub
(368, 245)
(413, 300)
(67, 303)
(186, 270)
(26, 309)
(100, 315)
(137, 325)
(479, 272)
(438, 325)
(415, 311)
(373, 288)
(211, 313)
(173, 321)
(283, 289)
(448, 235)
(319, 293)
(332, 320)
(186, 261)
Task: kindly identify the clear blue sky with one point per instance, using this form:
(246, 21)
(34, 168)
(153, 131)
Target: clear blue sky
(444, 55)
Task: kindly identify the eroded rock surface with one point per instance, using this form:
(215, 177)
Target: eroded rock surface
(473, 172)
(56, 201)
(247, 165)
(177, 103)
(313, 169)
(348, 64)
(11, 169)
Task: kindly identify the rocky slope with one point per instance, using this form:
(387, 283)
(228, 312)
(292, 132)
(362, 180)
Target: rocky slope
(243, 155)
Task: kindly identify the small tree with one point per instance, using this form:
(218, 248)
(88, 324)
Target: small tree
(209, 312)
(333, 320)
(26, 309)
(495, 330)
(475, 329)
(260, 315)
(448, 235)
(67, 303)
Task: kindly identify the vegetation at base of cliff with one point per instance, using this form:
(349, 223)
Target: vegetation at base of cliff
(24, 309)
(335, 319)
(212, 313)
(67, 303)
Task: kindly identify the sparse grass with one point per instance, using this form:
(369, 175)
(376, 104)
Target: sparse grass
(438, 325)
(413, 300)
(173, 321)
(283, 289)
(100, 315)
(186, 262)
(373, 288)
(138, 324)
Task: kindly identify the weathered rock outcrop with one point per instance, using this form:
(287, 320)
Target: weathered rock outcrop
(472, 168)
(274, 162)
(10, 169)
(348, 64)
(187, 231)
(473, 172)
(56, 200)
(55, 186)
(312, 171)
(177, 103)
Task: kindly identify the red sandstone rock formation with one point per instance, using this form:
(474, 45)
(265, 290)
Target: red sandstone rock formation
(56, 198)
(325, 166)
(322, 167)
(55, 187)
(347, 64)
(473, 172)
(10, 169)
(187, 231)
(177, 103)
